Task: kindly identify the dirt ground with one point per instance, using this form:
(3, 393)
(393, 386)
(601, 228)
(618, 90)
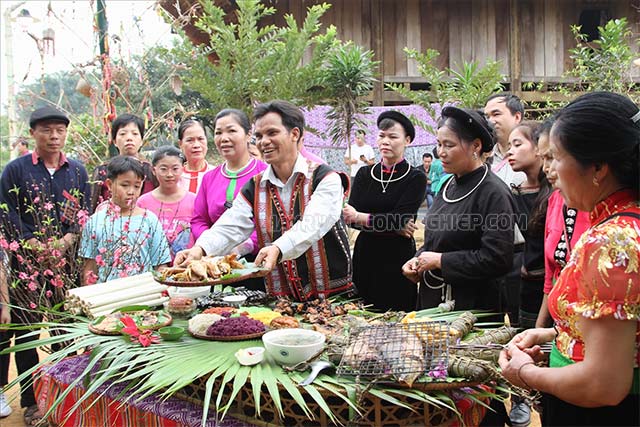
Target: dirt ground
(15, 419)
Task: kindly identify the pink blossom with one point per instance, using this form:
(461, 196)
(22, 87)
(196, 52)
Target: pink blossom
(56, 253)
(100, 261)
(34, 275)
(14, 246)
(47, 272)
(123, 274)
(57, 282)
(48, 294)
(19, 258)
(48, 206)
(3, 243)
(83, 217)
(37, 199)
(32, 286)
(102, 250)
(91, 278)
(125, 227)
(23, 276)
(33, 305)
(61, 263)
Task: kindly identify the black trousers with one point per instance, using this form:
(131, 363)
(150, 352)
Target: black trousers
(559, 413)
(25, 360)
(510, 289)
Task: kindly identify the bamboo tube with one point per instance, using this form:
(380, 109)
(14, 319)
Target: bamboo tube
(124, 292)
(116, 284)
(131, 301)
(150, 303)
(112, 285)
(124, 295)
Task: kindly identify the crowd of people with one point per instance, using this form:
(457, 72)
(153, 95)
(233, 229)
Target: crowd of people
(537, 220)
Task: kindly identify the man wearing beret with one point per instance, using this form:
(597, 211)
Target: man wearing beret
(296, 213)
(41, 195)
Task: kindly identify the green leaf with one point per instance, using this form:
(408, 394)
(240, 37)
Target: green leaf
(271, 381)
(257, 379)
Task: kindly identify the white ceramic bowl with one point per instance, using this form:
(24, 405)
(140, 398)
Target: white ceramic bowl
(199, 291)
(250, 356)
(234, 300)
(292, 346)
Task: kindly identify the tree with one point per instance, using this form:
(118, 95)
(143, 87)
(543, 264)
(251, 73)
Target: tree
(604, 63)
(347, 76)
(142, 86)
(56, 89)
(257, 63)
(468, 87)
(5, 143)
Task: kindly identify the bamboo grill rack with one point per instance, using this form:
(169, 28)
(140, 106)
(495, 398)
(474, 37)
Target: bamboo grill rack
(375, 411)
(390, 351)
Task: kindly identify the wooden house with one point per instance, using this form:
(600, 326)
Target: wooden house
(530, 38)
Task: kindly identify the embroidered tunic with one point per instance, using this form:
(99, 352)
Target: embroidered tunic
(311, 236)
(602, 277)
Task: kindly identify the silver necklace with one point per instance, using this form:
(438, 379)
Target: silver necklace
(384, 184)
(227, 173)
(446, 187)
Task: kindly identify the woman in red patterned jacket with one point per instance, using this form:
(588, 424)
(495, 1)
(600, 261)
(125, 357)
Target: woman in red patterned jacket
(593, 375)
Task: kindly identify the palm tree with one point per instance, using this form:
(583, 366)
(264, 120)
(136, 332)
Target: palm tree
(348, 76)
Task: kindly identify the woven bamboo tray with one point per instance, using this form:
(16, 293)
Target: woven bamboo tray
(376, 412)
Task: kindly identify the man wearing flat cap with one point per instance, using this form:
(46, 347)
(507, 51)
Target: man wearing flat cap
(41, 195)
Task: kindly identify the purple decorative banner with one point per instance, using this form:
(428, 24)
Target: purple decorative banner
(322, 145)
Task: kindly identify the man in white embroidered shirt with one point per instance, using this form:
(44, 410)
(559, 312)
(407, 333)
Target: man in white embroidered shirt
(296, 213)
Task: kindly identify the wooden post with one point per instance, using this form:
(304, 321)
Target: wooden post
(378, 50)
(515, 72)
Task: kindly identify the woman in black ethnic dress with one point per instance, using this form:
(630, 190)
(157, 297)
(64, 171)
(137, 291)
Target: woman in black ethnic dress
(384, 200)
(469, 228)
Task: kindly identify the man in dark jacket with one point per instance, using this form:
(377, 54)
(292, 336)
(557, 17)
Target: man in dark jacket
(42, 198)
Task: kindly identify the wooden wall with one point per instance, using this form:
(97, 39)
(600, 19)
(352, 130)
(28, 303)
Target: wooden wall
(530, 38)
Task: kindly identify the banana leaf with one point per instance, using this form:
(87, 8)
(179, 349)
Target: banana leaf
(167, 367)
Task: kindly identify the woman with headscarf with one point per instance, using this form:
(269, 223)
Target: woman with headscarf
(593, 376)
(383, 204)
(469, 228)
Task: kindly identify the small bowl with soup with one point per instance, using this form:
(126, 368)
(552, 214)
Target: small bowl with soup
(292, 346)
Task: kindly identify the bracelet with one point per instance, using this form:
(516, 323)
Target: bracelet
(520, 377)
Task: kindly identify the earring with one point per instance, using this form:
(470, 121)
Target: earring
(595, 182)
(475, 156)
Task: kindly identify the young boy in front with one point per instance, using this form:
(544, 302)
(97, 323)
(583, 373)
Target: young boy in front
(122, 240)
